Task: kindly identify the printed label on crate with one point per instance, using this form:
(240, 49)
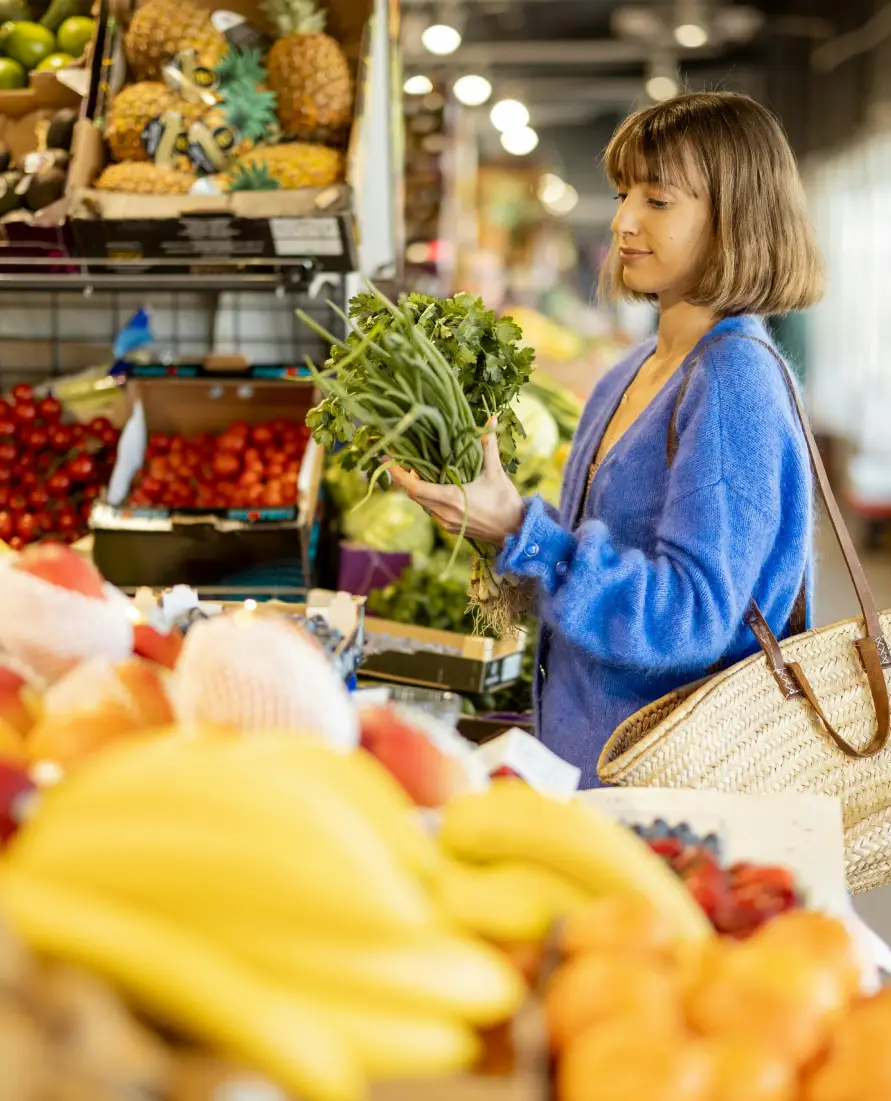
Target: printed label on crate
(504, 670)
(262, 515)
(306, 236)
(109, 518)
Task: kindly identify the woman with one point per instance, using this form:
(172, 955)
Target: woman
(688, 491)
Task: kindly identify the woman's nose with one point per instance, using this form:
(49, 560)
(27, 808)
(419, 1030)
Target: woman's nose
(625, 222)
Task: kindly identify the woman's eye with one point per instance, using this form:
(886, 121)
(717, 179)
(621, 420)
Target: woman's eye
(659, 204)
(620, 197)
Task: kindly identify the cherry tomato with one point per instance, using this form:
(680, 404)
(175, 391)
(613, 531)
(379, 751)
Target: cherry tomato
(85, 508)
(5, 409)
(8, 452)
(44, 522)
(60, 437)
(25, 412)
(27, 478)
(38, 498)
(67, 520)
(8, 426)
(81, 469)
(4, 496)
(18, 502)
(77, 433)
(26, 526)
(7, 525)
(92, 492)
(226, 464)
(109, 437)
(35, 438)
(58, 485)
(151, 487)
(49, 410)
(5, 474)
(158, 443)
(17, 543)
(99, 425)
(22, 392)
(159, 468)
(45, 461)
(232, 440)
(262, 435)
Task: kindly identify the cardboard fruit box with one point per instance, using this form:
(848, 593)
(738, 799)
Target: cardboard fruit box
(440, 659)
(160, 547)
(25, 115)
(314, 224)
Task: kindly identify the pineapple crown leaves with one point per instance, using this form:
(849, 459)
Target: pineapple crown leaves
(253, 177)
(295, 16)
(241, 66)
(250, 111)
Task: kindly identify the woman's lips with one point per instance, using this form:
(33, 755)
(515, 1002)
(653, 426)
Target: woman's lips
(631, 256)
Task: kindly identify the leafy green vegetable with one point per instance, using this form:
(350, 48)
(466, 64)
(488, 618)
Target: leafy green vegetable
(482, 352)
(426, 596)
(417, 384)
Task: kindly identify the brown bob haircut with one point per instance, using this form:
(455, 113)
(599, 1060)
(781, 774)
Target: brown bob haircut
(764, 257)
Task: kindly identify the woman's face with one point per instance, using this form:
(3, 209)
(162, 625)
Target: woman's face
(663, 234)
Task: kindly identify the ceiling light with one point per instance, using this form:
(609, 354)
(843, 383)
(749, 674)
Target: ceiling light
(564, 204)
(509, 114)
(472, 91)
(692, 36)
(519, 142)
(661, 88)
(551, 189)
(418, 86)
(441, 39)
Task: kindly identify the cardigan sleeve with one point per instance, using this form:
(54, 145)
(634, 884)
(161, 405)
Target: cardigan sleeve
(677, 608)
(678, 605)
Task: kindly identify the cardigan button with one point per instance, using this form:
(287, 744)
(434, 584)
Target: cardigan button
(562, 569)
(531, 550)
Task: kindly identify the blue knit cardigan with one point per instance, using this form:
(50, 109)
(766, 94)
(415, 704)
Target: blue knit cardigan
(649, 590)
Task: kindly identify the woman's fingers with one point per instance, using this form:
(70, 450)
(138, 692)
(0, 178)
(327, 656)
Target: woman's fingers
(491, 456)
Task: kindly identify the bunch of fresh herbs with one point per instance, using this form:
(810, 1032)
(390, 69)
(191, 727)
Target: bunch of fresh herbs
(417, 384)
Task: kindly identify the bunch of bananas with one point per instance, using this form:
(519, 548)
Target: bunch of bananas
(516, 862)
(267, 896)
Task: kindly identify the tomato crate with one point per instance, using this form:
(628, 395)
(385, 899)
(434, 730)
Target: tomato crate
(141, 541)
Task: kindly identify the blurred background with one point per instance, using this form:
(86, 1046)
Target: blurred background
(509, 104)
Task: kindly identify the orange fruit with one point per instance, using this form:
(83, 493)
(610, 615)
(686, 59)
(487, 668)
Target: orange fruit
(770, 994)
(594, 988)
(745, 1069)
(857, 1066)
(815, 936)
(616, 922)
(618, 1062)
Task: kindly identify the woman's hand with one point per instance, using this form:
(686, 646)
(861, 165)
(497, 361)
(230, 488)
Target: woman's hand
(494, 508)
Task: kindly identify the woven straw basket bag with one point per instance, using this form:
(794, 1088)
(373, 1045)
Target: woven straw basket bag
(810, 714)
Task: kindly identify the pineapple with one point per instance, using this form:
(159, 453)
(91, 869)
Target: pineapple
(245, 107)
(251, 178)
(296, 164)
(161, 29)
(133, 108)
(141, 178)
(309, 73)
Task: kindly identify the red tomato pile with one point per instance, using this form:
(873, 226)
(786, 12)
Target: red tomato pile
(50, 473)
(242, 467)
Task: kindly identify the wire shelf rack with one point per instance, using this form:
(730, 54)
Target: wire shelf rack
(59, 322)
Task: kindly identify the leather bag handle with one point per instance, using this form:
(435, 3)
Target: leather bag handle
(873, 648)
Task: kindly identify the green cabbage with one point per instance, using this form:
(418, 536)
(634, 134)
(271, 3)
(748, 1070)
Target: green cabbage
(389, 521)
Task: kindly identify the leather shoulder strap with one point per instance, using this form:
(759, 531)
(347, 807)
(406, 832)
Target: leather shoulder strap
(873, 649)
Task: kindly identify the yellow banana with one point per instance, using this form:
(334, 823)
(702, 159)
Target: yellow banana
(401, 1045)
(506, 902)
(185, 983)
(194, 819)
(510, 821)
(190, 871)
(442, 975)
(358, 777)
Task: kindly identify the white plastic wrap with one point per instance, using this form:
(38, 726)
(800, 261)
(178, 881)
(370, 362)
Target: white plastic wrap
(51, 629)
(253, 671)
